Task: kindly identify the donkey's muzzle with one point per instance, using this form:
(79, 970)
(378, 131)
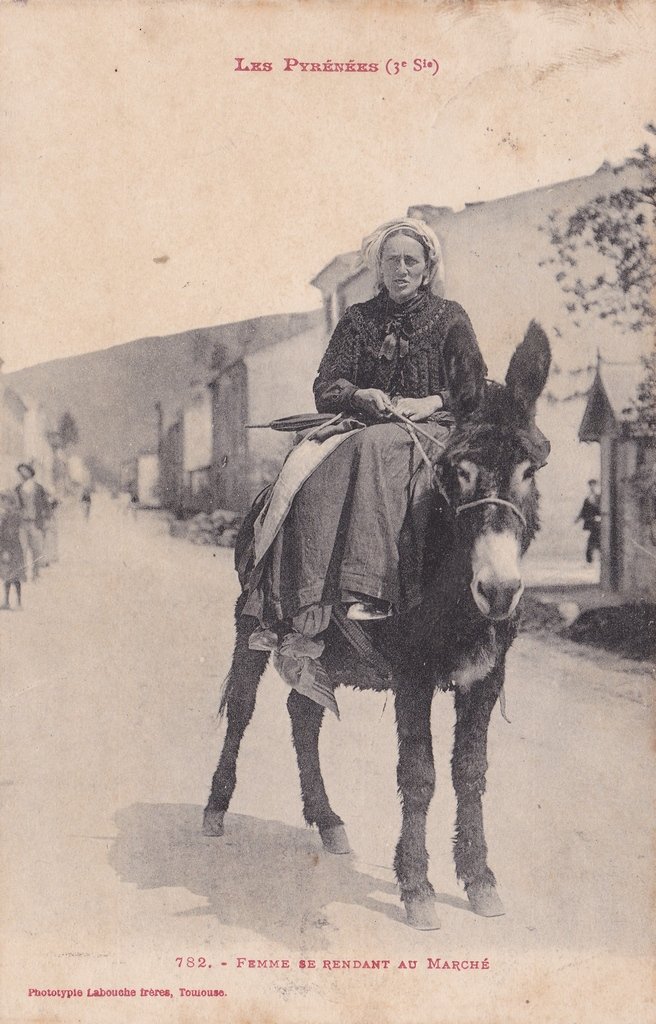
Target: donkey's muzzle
(496, 584)
(497, 599)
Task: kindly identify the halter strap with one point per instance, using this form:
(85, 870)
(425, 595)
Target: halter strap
(494, 501)
(412, 429)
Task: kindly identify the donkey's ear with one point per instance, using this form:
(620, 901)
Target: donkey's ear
(529, 367)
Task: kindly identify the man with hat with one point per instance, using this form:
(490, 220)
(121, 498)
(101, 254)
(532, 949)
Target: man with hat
(591, 515)
(35, 510)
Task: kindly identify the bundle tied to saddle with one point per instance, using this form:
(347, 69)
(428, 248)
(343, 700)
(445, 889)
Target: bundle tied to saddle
(296, 654)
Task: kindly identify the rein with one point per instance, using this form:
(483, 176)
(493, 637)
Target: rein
(412, 429)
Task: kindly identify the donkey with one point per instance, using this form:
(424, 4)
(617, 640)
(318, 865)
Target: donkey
(485, 516)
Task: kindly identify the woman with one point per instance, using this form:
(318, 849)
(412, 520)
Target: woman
(354, 531)
(35, 509)
(12, 558)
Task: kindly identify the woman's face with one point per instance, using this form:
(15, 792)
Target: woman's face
(403, 267)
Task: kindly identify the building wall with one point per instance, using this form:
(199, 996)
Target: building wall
(230, 445)
(609, 558)
(494, 254)
(128, 475)
(280, 380)
(637, 519)
(359, 288)
(252, 370)
(37, 448)
(12, 440)
(171, 467)
(148, 489)
(197, 430)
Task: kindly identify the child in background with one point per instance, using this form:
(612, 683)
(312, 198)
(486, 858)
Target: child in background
(12, 558)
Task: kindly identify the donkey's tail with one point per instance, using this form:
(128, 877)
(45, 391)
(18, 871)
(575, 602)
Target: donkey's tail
(247, 665)
(227, 688)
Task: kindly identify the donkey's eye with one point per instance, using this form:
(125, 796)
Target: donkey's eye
(529, 473)
(464, 475)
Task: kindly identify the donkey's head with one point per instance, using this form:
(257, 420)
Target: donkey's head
(487, 473)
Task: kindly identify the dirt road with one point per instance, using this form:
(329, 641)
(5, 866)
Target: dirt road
(110, 680)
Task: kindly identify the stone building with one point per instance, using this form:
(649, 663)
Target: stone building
(628, 481)
(12, 434)
(37, 441)
(245, 373)
(26, 435)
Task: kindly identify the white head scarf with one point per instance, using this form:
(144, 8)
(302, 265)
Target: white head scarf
(371, 251)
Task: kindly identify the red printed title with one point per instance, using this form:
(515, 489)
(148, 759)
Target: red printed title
(392, 66)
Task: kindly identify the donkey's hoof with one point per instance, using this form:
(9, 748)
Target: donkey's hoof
(213, 823)
(484, 900)
(335, 839)
(422, 915)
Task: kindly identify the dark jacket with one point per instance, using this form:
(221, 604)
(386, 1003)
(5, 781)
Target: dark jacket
(590, 514)
(42, 508)
(440, 353)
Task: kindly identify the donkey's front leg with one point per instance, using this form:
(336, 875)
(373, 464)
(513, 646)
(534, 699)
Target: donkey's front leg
(468, 767)
(416, 781)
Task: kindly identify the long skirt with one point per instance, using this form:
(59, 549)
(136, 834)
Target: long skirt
(357, 526)
(12, 558)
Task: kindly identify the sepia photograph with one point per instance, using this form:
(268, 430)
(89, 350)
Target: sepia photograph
(327, 511)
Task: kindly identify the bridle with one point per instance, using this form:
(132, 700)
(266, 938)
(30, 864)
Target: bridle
(412, 429)
(493, 501)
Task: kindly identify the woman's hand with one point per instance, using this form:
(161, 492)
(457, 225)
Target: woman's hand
(418, 409)
(373, 401)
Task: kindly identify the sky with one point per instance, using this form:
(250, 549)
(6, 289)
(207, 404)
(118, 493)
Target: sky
(148, 187)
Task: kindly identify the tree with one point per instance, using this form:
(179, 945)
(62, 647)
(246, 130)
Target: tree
(615, 233)
(644, 424)
(67, 430)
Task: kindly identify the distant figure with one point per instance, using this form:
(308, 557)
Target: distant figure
(35, 511)
(134, 504)
(86, 502)
(591, 515)
(12, 557)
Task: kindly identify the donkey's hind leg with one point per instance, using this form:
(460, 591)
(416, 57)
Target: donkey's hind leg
(238, 701)
(468, 767)
(306, 718)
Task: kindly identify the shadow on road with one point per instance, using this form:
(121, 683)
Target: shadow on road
(262, 875)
